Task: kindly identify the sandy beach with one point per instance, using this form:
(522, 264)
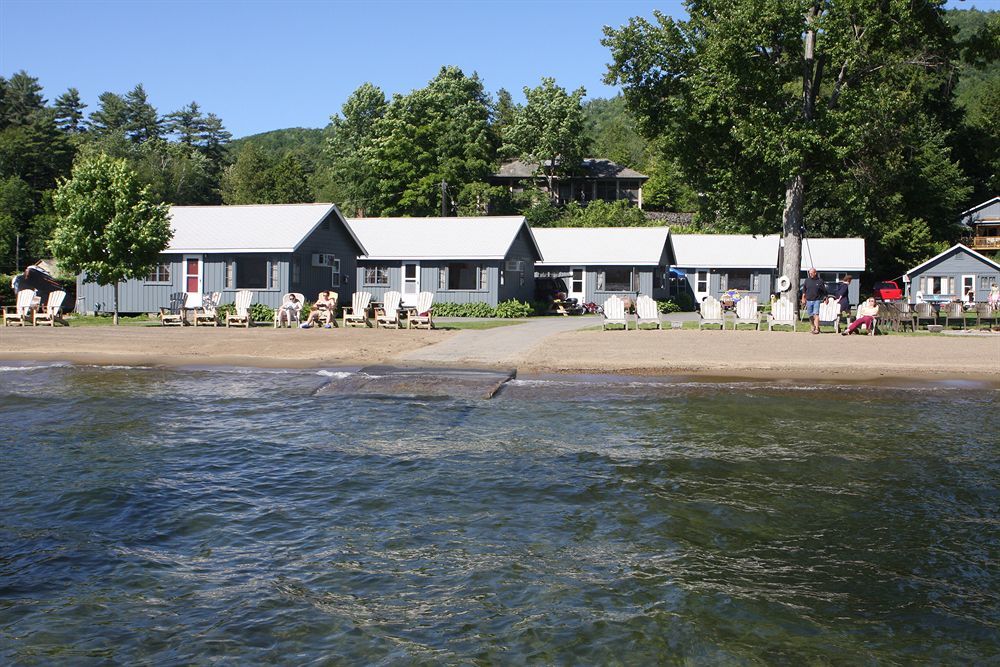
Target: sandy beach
(530, 348)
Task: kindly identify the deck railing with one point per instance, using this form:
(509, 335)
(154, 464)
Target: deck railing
(983, 242)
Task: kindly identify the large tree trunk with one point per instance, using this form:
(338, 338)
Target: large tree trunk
(791, 260)
(116, 303)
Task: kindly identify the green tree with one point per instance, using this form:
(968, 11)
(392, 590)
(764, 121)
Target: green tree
(249, 180)
(504, 111)
(22, 99)
(69, 112)
(440, 133)
(761, 100)
(549, 130)
(109, 228)
(142, 122)
(289, 184)
(213, 140)
(17, 207)
(110, 116)
(187, 124)
(349, 177)
(600, 213)
(35, 151)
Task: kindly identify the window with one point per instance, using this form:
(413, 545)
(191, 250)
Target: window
(607, 190)
(376, 275)
(738, 280)
(617, 280)
(940, 285)
(251, 273)
(464, 276)
(701, 282)
(985, 282)
(274, 274)
(159, 274)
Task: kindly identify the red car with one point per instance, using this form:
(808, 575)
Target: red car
(887, 291)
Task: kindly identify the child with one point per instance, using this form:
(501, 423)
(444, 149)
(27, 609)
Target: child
(289, 311)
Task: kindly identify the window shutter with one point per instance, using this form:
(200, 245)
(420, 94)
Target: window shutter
(484, 278)
(600, 281)
(443, 278)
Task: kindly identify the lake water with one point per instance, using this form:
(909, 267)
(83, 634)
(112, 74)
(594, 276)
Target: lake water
(301, 517)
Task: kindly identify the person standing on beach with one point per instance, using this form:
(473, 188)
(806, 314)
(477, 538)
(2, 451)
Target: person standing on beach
(813, 291)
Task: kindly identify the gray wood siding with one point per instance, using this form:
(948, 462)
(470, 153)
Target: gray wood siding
(519, 285)
(954, 265)
(429, 281)
(331, 237)
(716, 287)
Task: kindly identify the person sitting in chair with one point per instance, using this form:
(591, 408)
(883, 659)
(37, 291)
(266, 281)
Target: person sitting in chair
(321, 310)
(289, 311)
(866, 316)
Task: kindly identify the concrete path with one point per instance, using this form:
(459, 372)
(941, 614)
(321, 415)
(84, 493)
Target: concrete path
(501, 346)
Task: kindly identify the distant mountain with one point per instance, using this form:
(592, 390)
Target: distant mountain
(305, 142)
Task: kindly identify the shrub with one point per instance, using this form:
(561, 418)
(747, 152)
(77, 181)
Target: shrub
(514, 308)
(668, 306)
(225, 310)
(261, 313)
(478, 309)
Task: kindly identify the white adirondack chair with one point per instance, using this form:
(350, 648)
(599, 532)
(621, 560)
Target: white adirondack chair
(174, 313)
(52, 310)
(296, 317)
(614, 313)
(782, 314)
(420, 316)
(357, 314)
(21, 311)
(746, 313)
(241, 318)
(389, 318)
(710, 312)
(829, 313)
(208, 312)
(647, 312)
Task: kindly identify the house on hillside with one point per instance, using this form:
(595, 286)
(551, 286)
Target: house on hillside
(460, 260)
(598, 262)
(269, 249)
(596, 178)
(983, 225)
(714, 263)
(951, 275)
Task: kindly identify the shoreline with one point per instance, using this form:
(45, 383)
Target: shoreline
(703, 356)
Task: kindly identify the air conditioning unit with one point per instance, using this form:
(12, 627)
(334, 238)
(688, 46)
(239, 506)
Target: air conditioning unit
(515, 265)
(323, 259)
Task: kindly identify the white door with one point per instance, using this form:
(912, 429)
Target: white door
(577, 284)
(701, 284)
(192, 280)
(411, 283)
(968, 284)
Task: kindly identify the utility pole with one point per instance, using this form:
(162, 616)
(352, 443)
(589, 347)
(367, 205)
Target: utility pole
(444, 197)
(17, 253)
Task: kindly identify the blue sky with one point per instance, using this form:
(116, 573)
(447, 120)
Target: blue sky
(268, 65)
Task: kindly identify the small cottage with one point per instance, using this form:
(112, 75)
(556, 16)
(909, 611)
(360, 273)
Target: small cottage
(599, 262)
(714, 263)
(952, 275)
(460, 260)
(269, 249)
(594, 178)
(983, 225)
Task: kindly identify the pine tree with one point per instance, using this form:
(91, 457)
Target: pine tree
(22, 99)
(187, 124)
(69, 112)
(110, 116)
(142, 123)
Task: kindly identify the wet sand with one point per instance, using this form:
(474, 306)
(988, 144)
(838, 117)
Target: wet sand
(708, 354)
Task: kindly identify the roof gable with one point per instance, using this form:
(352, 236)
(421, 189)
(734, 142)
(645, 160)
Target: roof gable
(254, 228)
(483, 238)
(591, 167)
(610, 246)
(988, 210)
(957, 248)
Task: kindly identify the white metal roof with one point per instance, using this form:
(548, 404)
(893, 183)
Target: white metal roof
(488, 237)
(255, 228)
(959, 246)
(614, 246)
(833, 254)
(725, 251)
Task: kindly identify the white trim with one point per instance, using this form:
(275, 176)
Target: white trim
(193, 298)
(959, 246)
(980, 207)
(582, 294)
(409, 298)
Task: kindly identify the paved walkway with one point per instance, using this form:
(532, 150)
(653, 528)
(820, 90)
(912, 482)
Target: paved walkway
(501, 346)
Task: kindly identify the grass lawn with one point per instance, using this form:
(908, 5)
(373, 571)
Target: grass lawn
(477, 324)
(108, 320)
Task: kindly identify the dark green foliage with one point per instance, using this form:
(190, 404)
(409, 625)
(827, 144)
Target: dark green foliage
(110, 116)
(513, 308)
(256, 179)
(69, 112)
(22, 99)
(142, 123)
(261, 313)
(477, 309)
(668, 306)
